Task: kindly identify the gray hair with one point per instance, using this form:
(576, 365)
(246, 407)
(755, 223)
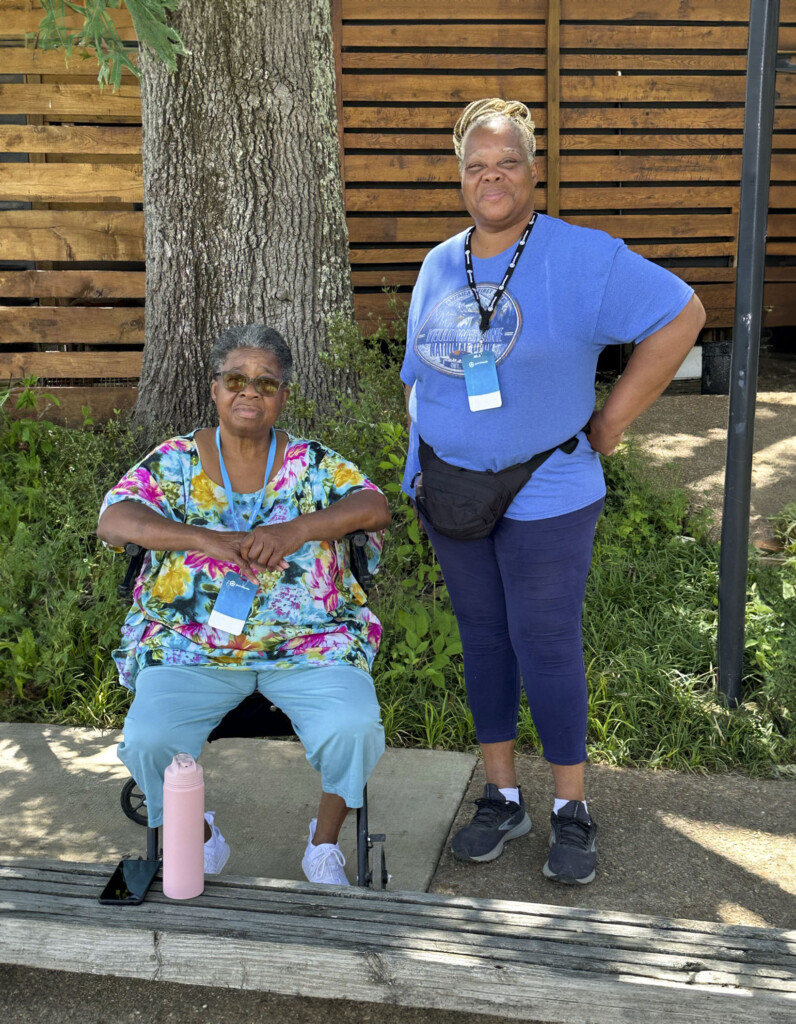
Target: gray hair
(257, 336)
(494, 109)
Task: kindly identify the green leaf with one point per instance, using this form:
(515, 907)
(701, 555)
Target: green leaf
(98, 34)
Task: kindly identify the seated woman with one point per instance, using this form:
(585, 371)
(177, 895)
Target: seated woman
(258, 508)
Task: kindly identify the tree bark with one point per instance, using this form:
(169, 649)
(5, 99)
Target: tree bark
(243, 196)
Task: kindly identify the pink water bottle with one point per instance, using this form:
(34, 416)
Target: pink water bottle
(183, 829)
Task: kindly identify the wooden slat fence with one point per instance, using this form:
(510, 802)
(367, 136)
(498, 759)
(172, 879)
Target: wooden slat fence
(644, 124)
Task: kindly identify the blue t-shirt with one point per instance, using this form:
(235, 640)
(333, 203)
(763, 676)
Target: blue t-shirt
(574, 291)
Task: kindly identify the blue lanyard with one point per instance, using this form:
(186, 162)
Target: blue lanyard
(228, 486)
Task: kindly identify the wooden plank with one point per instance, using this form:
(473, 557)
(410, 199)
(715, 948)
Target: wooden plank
(72, 284)
(70, 100)
(716, 283)
(553, 140)
(502, 60)
(488, 35)
(443, 118)
(71, 235)
(667, 10)
(385, 228)
(385, 257)
(382, 278)
(607, 88)
(72, 183)
(432, 60)
(401, 141)
(69, 365)
(663, 168)
(71, 325)
(409, 167)
(385, 931)
(724, 119)
(779, 303)
(712, 88)
(24, 16)
(70, 139)
(746, 944)
(427, 88)
(571, 10)
(406, 948)
(415, 254)
(668, 167)
(401, 199)
(493, 36)
(667, 118)
(661, 226)
(464, 10)
(27, 60)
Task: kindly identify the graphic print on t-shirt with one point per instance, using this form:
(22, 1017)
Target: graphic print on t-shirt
(452, 327)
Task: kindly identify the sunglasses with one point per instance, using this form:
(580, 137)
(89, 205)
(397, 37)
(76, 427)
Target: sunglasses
(264, 385)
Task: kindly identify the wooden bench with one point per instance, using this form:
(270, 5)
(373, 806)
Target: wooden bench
(522, 961)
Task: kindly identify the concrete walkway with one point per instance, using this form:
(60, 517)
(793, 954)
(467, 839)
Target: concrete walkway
(60, 800)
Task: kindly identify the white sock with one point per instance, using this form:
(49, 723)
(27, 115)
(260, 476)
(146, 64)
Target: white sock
(511, 794)
(558, 804)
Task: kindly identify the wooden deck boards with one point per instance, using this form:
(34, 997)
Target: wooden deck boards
(523, 961)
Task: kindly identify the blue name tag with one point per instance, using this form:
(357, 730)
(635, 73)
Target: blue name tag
(481, 381)
(233, 604)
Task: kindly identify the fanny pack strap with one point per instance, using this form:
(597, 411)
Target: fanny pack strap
(514, 476)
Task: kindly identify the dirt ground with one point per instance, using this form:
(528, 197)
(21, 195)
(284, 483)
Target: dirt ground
(705, 847)
(685, 433)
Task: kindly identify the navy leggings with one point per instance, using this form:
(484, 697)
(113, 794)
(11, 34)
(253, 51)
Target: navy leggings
(518, 598)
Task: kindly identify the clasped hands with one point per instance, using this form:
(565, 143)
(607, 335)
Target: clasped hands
(252, 551)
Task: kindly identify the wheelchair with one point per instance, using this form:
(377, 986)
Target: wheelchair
(255, 717)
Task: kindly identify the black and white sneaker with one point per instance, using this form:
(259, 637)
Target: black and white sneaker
(573, 846)
(496, 820)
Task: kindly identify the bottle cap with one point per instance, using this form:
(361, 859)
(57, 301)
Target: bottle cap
(184, 771)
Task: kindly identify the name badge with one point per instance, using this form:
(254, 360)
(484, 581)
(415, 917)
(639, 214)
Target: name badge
(233, 604)
(481, 381)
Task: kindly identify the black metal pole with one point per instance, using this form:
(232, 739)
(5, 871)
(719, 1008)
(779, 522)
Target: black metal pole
(750, 277)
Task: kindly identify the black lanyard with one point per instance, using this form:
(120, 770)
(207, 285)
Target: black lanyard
(486, 314)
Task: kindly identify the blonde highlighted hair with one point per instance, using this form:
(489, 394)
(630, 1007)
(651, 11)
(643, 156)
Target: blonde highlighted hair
(484, 111)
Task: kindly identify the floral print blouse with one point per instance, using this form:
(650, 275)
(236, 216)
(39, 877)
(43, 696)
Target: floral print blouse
(311, 614)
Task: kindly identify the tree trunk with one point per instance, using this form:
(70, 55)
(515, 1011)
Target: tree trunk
(243, 196)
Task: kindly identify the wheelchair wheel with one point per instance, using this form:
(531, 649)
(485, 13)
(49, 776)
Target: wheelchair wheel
(133, 803)
(380, 876)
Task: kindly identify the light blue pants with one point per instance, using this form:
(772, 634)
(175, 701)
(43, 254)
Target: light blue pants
(333, 709)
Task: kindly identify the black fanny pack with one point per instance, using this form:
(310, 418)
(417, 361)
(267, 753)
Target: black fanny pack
(466, 504)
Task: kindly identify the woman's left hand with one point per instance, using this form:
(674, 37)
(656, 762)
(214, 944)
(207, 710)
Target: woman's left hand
(268, 546)
(602, 436)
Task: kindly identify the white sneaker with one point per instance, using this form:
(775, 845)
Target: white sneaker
(216, 848)
(323, 863)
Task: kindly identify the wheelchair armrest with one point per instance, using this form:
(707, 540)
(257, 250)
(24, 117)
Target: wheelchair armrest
(136, 555)
(357, 543)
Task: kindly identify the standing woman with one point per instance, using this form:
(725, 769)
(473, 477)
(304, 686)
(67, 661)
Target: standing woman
(505, 326)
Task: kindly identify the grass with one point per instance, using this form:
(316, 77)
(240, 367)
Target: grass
(649, 621)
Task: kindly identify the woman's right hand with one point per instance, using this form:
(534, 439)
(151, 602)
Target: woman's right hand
(225, 546)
